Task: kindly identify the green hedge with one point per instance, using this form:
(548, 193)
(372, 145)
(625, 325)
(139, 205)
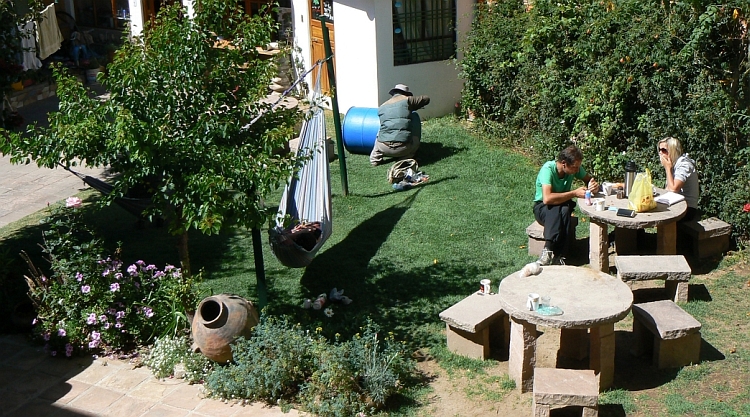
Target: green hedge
(615, 77)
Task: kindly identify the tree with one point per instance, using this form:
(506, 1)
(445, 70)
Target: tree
(176, 124)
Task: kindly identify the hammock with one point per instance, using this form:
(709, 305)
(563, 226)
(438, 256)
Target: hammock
(135, 206)
(306, 200)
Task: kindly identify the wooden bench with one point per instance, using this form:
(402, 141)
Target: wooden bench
(707, 237)
(535, 231)
(554, 387)
(475, 324)
(673, 269)
(675, 333)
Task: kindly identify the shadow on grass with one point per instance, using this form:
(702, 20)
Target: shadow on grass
(611, 410)
(418, 187)
(432, 152)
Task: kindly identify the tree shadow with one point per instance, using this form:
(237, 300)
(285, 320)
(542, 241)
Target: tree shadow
(432, 152)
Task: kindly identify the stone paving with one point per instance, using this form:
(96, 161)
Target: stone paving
(34, 384)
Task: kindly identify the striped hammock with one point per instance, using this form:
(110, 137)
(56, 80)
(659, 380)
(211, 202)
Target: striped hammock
(304, 220)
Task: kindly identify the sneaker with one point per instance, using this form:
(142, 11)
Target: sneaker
(546, 257)
(558, 260)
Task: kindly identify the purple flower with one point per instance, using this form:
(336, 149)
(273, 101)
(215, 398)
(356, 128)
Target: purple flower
(120, 315)
(150, 267)
(133, 270)
(106, 272)
(111, 311)
(68, 350)
(148, 312)
(61, 332)
(159, 274)
(102, 318)
(46, 336)
(93, 344)
(54, 353)
(85, 289)
(91, 319)
(95, 335)
(118, 325)
(169, 268)
(140, 263)
(118, 275)
(114, 287)
(106, 325)
(79, 276)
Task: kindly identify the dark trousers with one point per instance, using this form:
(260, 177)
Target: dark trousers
(556, 222)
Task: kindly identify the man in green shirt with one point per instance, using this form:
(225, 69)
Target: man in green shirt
(554, 201)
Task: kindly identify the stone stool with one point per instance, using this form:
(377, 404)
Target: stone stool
(474, 324)
(708, 237)
(555, 388)
(535, 231)
(676, 334)
(673, 269)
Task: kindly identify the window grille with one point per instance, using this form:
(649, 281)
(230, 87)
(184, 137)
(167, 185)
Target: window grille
(423, 31)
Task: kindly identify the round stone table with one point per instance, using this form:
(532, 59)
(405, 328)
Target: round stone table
(663, 217)
(591, 301)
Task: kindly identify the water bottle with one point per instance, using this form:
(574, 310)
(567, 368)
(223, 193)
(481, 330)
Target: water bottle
(630, 170)
(588, 197)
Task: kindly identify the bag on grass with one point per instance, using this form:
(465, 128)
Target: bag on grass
(400, 170)
(641, 197)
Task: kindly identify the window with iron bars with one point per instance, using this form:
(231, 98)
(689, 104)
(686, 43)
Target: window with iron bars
(423, 31)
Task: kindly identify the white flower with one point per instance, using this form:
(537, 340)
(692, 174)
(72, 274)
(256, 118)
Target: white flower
(73, 202)
(328, 312)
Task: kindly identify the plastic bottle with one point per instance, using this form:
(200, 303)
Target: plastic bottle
(588, 197)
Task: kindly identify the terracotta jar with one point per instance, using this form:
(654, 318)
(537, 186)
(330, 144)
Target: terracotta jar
(218, 321)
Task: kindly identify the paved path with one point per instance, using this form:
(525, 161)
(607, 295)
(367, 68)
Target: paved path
(25, 189)
(34, 384)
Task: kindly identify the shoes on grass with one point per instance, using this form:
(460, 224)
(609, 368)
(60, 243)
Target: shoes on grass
(546, 257)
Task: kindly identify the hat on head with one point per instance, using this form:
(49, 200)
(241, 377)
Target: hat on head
(400, 89)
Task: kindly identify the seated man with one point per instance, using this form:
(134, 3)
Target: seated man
(554, 204)
(400, 127)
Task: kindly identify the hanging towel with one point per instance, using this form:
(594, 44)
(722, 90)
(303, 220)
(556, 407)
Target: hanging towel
(28, 43)
(48, 35)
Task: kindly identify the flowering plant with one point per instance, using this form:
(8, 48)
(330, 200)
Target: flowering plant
(89, 302)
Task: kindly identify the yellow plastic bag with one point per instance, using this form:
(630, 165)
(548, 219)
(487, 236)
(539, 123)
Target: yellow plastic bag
(641, 197)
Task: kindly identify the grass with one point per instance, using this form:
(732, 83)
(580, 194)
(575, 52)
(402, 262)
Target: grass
(403, 257)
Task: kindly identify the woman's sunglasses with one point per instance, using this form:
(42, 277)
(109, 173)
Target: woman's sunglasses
(663, 150)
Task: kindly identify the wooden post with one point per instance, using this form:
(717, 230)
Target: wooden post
(260, 272)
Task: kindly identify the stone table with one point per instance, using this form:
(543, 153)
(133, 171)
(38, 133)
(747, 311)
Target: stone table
(663, 217)
(591, 301)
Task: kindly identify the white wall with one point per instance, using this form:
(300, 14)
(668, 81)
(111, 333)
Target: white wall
(363, 36)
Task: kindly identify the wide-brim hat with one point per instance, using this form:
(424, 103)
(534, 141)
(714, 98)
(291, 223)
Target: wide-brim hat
(400, 89)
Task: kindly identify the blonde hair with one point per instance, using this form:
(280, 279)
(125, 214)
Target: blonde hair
(674, 147)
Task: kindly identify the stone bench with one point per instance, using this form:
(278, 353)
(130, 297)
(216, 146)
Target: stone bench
(554, 387)
(707, 237)
(675, 333)
(475, 324)
(535, 231)
(673, 269)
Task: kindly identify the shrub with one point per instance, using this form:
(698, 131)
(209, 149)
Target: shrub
(88, 302)
(282, 362)
(169, 351)
(615, 77)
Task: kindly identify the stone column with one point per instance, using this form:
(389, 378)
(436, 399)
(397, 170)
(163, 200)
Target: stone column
(598, 246)
(522, 357)
(602, 357)
(574, 344)
(666, 239)
(626, 241)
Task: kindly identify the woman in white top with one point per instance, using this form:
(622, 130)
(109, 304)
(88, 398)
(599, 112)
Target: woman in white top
(682, 177)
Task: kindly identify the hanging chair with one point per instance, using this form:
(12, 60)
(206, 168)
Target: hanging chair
(306, 201)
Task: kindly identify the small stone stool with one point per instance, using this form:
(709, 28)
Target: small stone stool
(708, 237)
(474, 324)
(535, 231)
(673, 269)
(555, 388)
(676, 334)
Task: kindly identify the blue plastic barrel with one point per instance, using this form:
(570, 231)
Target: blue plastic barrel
(361, 126)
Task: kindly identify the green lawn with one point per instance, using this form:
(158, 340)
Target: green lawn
(403, 257)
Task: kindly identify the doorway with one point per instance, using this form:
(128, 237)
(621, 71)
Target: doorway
(320, 8)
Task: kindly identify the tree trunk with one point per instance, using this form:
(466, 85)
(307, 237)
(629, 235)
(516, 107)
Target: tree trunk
(182, 249)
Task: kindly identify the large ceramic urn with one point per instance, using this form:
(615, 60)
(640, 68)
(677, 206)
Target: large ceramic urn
(218, 321)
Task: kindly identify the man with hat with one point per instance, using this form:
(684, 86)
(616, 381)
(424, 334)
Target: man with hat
(400, 126)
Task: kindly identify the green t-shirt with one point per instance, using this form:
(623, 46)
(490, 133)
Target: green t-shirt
(548, 175)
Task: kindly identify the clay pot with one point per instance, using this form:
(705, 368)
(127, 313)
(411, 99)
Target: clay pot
(218, 321)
